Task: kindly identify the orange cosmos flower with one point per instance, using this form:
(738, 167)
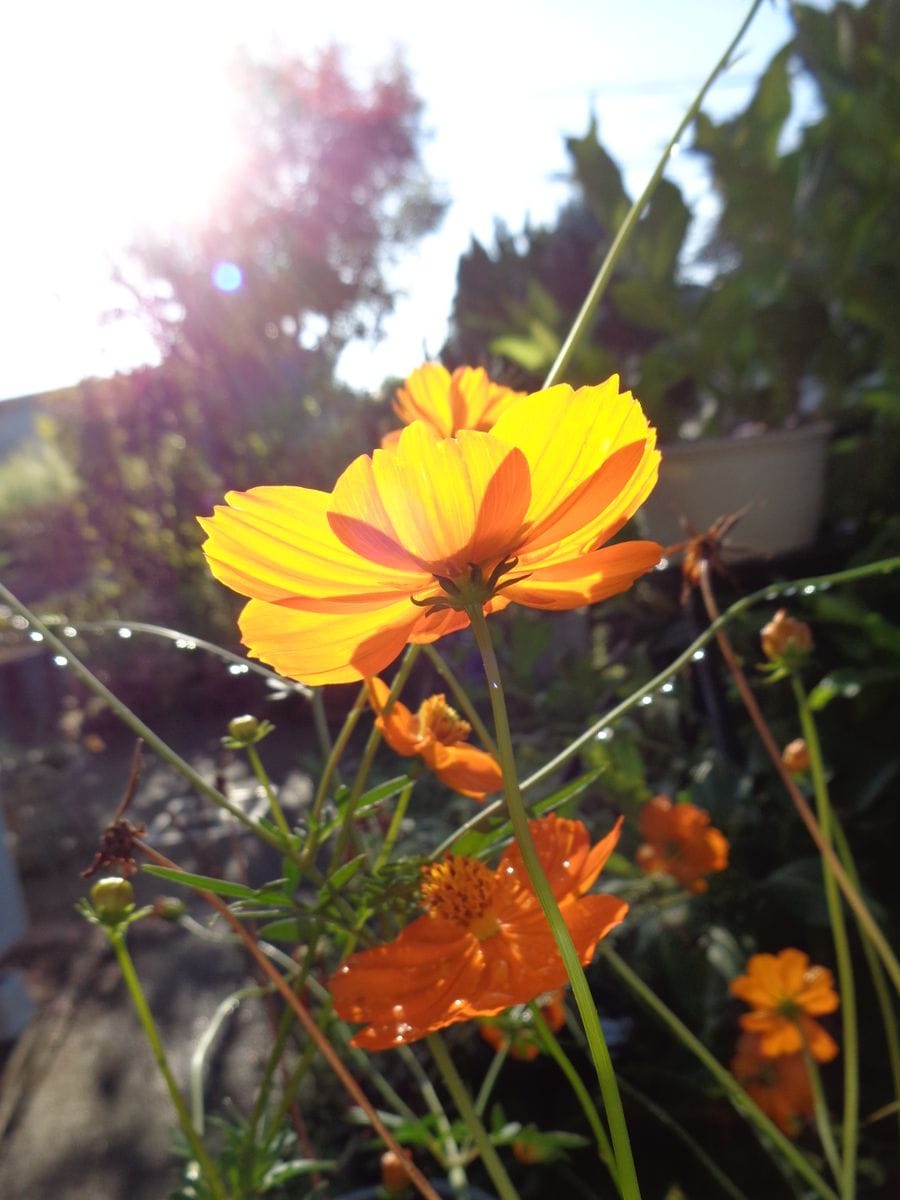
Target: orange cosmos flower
(340, 582)
(467, 399)
(681, 843)
(438, 735)
(779, 1086)
(484, 944)
(785, 993)
(515, 1028)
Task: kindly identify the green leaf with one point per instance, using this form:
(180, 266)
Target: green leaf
(282, 1172)
(342, 876)
(376, 795)
(219, 887)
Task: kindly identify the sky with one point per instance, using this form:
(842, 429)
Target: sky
(111, 120)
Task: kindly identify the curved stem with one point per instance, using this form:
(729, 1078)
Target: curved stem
(266, 784)
(582, 322)
(452, 1161)
(822, 1117)
(846, 984)
(471, 1119)
(851, 894)
(340, 744)
(565, 1064)
(584, 1001)
(124, 713)
(773, 1138)
(138, 999)
(461, 697)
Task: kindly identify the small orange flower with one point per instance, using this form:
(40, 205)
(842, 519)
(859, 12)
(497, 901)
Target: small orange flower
(515, 1028)
(484, 944)
(438, 735)
(779, 1086)
(786, 993)
(795, 756)
(467, 399)
(681, 843)
(410, 537)
(786, 638)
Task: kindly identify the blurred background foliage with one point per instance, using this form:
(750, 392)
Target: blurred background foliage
(786, 312)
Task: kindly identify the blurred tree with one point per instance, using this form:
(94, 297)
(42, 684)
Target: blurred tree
(330, 187)
(250, 313)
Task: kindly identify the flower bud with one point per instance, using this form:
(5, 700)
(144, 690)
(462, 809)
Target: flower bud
(169, 908)
(394, 1178)
(112, 897)
(795, 756)
(243, 729)
(786, 638)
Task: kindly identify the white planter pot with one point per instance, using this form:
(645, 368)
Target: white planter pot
(780, 475)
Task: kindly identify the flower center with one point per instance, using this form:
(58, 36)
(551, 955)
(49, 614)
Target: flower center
(439, 721)
(460, 890)
(788, 1007)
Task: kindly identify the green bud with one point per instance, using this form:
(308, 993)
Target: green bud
(112, 898)
(169, 908)
(243, 729)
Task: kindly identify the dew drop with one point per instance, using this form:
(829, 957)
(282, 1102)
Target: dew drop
(662, 565)
(70, 631)
(345, 970)
(238, 669)
(698, 656)
(508, 870)
(124, 631)
(603, 735)
(60, 660)
(791, 591)
(35, 636)
(397, 1010)
(669, 686)
(566, 864)
(494, 684)
(457, 1003)
(809, 590)
(645, 700)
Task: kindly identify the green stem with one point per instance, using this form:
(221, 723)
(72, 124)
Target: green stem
(203, 1046)
(331, 763)
(822, 1117)
(876, 971)
(124, 713)
(773, 1138)
(452, 1159)
(372, 744)
(320, 721)
(490, 1078)
(518, 817)
(394, 828)
(565, 1064)
(277, 812)
(823, 845)
(461, 697)
(471, 1119)
(843, 959)
(582, 324)
(665, 1118)
(207, 1167)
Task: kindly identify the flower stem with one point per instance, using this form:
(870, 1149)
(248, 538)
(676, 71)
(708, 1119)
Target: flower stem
(461, 697)
(565, 1064)
(843, 959)
(582, 324)
(142, 1008)
(452, 1158)
(124, 713)
(822, 1117)
(584, 1001)
(823, 845)
(394, 828)
(266, 784)
(331, 763)
(773, 1138)
(471, 1119)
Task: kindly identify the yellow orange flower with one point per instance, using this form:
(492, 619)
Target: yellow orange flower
(467, 399)
(786, 639)
(779, 1086)
(786, 993)
(515, 1028)
(437, 734)
(484, 943)
(340, 582)
(681, 843)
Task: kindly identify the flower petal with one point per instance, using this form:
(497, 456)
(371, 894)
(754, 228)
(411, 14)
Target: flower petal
(275, 542)
(465, 769)
(330, 647)
(587, 579)
(399, 728)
